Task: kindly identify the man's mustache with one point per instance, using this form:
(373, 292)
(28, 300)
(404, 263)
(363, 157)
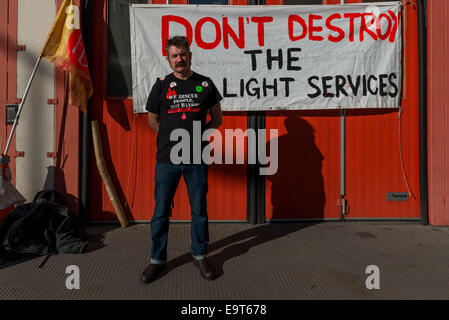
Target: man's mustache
(180, 64)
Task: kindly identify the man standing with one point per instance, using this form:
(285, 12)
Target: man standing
(177, 101)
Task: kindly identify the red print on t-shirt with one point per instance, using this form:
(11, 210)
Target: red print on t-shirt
(171, 94)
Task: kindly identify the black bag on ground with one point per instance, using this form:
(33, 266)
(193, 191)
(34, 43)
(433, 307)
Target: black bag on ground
(43, 227)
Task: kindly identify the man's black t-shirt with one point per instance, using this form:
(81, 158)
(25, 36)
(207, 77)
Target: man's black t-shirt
(179, 103)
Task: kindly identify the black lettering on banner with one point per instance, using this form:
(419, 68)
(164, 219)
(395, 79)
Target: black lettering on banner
(354, 87)
(340, 82)
(365, 91)
(253, 57)
(393, 84)
(372, 84)
(271, 58)
(242, 87)
(383, 85)
(371, 77)
(287, 87)
(290, 59)
(256, 91)
(326, 86)
(265, 86)
(225, 90)
(316, 87)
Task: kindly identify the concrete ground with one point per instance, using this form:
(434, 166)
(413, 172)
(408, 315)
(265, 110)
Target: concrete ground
(279, 261)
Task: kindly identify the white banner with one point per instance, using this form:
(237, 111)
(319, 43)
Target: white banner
(277, 57)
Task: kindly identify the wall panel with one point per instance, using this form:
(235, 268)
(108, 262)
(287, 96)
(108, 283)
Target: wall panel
(311, 187)
(130, 148)
(373, 154)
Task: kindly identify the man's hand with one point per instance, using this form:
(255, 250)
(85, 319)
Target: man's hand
(216, 117)
(154, 121)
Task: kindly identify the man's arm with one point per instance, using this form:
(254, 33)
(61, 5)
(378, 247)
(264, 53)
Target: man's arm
(216, 117)
(154, 120)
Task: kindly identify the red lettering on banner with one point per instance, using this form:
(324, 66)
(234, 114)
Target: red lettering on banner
(341, 33)
(227, 31)
(260, 27)
(165, 34)
(313, 28)
(298, 28)
(395, 24)
(295, 18)
(364, 27)
(379, 30)
(352, 17)
(198, 37)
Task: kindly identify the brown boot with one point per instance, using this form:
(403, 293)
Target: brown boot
(152, 272)
(206, 270)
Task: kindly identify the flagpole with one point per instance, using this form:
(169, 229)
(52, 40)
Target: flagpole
(52, 30)
(5, 153)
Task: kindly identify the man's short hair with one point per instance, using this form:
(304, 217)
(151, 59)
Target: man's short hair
(177, 41)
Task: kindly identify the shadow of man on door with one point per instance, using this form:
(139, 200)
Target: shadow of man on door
(297, 188)
(297, 191)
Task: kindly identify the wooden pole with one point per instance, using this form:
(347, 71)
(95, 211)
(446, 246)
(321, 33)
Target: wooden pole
(101, 165)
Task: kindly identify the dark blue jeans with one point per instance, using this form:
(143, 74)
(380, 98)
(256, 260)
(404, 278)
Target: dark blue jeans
(166, 178)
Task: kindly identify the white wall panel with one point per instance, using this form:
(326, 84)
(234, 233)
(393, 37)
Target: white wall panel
(35, 132)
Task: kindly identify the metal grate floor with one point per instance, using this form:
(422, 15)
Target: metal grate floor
(265, 262)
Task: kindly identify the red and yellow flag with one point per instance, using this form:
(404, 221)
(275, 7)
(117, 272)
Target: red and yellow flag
(64, 47)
